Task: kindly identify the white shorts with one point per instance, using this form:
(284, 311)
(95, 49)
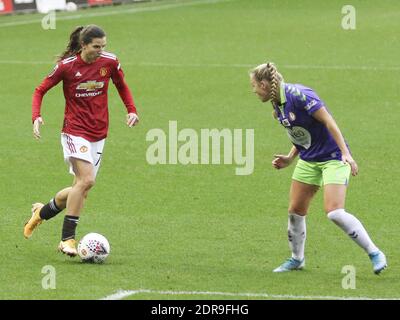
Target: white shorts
(80, 148)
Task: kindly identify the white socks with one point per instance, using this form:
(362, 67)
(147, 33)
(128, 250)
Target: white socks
(346, 221)
(353, 227)
(297, 235)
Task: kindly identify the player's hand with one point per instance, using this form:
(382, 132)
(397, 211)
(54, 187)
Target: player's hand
(347, 158)
(132, 119)
(36, 127)
(281, 161)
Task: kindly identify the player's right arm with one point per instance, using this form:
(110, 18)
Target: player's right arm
(282, 161)
(49, 82)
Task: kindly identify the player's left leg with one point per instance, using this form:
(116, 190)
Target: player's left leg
(334, 204)
(85, 180)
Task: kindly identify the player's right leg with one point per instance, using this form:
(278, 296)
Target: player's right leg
(41, 212)
(301, 193)
(34, 221)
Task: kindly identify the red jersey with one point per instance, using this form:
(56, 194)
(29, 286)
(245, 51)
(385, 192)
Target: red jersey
(85, 90)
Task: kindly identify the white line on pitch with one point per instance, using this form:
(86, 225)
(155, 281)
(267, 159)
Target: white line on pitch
(293, 66)
(221, 65)
(121, 294)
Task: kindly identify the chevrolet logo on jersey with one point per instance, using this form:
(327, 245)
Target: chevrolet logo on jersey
(90, 85)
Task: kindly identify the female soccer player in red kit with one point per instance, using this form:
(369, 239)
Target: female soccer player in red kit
(85, 69)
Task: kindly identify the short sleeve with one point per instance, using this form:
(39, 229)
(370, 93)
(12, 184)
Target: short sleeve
(306, 99)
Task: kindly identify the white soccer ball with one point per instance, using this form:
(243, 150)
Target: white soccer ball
(93, 247)
(71, 6)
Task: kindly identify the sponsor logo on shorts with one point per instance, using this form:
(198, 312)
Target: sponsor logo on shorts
(83, 149)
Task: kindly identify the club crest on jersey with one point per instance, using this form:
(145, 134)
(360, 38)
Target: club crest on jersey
(292, 116)
(83, 149)
(103, 71)
(90, 85)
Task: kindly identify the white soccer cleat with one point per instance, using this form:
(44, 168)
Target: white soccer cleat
(378, 260)
(290, 265)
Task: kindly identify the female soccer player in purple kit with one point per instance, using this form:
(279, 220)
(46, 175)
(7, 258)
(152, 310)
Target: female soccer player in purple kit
(325, 159)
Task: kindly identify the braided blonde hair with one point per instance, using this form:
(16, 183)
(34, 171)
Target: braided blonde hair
(268, 71)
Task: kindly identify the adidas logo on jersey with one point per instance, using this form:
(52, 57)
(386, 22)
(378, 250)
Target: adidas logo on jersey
(78, 74)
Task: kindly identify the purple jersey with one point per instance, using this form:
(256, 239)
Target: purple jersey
(310, 136)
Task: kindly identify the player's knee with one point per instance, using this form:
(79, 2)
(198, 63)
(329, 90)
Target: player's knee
(86, 183)
(89, 183)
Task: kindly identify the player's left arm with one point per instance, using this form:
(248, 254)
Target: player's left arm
(323, 116)
(117, 77)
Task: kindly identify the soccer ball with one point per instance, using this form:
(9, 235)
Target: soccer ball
(93, 247)
(71, 6)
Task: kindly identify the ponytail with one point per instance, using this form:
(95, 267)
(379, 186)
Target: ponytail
(74, 45)
(274, 81)
(78, 36)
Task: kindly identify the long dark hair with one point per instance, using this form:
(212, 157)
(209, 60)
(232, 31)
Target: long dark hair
(80, 35)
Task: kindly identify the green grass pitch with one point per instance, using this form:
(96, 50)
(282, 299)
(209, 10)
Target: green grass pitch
(201, 228)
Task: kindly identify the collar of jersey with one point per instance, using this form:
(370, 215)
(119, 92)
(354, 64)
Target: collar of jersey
(283, 99)
(282, 93)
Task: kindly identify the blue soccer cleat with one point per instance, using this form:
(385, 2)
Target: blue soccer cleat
(378, 260)
(290, 265)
